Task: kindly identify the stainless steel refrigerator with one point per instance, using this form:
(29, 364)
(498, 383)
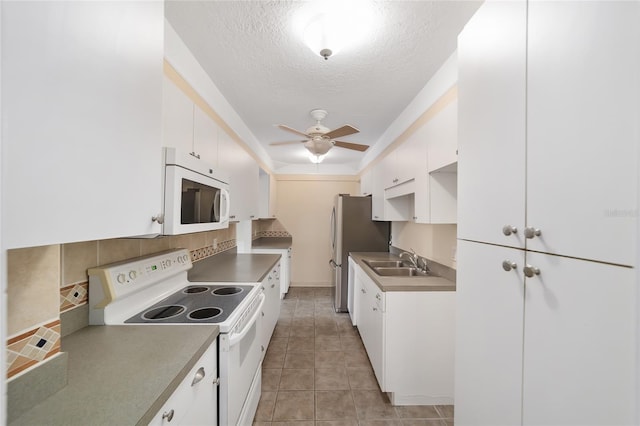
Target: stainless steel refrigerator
(352, 230)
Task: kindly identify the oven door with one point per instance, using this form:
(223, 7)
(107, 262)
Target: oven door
(240, 355)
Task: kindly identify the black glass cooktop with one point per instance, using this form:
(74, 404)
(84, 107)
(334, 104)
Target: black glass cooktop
(199, 303)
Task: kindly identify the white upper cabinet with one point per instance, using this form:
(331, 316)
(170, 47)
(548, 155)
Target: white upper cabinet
(491, 132)
(82, 120)
(442, 141)
(366, 183)
(583, 107)
(567, 151)
(186, 126)
(177, 117)
(244, 178)
(205, 137)
(267, 194)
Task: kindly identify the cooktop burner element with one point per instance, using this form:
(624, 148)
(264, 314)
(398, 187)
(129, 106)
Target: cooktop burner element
(204, 313)
(194, 304)
(163, 312)
(195, 290)
(227, 291)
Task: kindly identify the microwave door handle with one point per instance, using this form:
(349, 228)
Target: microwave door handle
(237, 337)
(215, 208)
(225, 217)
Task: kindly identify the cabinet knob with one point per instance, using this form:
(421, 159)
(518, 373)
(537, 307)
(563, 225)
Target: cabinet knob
(531, 232)
(198, 376)
(508, 265)
(378, 296)
(362, 290)
(509, 229)
(374, 308)
(530, 271)
(168, 415)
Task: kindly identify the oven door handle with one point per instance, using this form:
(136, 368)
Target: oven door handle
(237, 337)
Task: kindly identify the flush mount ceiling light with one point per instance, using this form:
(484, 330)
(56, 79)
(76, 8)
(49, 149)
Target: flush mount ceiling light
(331, 26)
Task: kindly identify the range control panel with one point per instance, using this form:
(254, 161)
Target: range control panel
(130, 276)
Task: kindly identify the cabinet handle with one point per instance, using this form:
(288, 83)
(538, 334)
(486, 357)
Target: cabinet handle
(531, 232)
(362, 290)
(273, 285)
(261, 348)
(168, 415)
(374, 308)
(378, 296)
(262, 313)
(198, 377)
(530, 271)
(509, 229)
(195, 155)
(508, 265)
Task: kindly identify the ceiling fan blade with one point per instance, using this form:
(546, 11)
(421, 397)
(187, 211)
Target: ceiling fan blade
(286, 143)
(341, 131)
(289, 129)
(349, 145)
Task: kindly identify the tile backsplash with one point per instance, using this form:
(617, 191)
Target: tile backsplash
(44, 282)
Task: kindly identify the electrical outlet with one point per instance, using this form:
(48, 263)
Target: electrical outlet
(215, 244)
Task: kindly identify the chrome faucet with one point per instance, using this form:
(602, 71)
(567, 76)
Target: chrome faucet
(416, 260)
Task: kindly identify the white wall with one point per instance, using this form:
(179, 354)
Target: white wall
(304, 205)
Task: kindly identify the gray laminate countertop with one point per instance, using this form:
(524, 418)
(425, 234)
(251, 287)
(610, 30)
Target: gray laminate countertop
(121, 374)
(280, 243)
(416, 283)
(233, 267)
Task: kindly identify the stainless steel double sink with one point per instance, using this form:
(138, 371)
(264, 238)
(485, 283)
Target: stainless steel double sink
(396, 268)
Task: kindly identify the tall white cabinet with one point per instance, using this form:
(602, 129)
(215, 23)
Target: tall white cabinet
(549, 100)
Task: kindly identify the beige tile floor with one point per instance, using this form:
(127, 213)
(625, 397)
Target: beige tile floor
(316, 373)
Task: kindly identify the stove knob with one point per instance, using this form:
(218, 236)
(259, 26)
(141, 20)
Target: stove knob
(133, 275)
(121, 278)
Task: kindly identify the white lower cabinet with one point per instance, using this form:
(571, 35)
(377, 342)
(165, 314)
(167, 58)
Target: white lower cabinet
(271, 307)
(557, 348)
(409, 338)
(194, 402)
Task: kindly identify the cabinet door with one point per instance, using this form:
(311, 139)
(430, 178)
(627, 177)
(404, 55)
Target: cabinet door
(579, 344)
(244, 178)
(377, 193)
(366, 183)
(82, 130)
(205, 137)
(583, 104)
(489, 327)
(442, 138)
(491, 132)
(371, 325)
(177, 117)
(194, 402)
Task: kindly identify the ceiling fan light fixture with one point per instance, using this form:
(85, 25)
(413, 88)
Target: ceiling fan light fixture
(316, 159)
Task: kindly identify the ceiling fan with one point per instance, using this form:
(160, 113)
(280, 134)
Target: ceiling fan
(320, 139)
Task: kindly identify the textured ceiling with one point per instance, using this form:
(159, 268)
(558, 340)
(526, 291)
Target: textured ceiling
(253, 52)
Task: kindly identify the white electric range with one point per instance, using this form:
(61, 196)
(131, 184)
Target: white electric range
(154, 290)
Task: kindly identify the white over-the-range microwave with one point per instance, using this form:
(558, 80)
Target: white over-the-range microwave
(196, 195)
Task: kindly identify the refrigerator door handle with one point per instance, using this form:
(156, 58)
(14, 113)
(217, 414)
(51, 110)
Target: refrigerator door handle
(333, 229)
